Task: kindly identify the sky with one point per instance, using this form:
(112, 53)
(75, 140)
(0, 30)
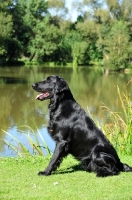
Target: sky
(73, 12)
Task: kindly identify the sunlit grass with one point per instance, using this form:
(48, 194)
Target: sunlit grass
(19, 181)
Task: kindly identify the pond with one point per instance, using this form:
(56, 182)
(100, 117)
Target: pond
(20, 112)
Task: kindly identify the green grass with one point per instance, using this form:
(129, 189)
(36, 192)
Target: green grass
(19, 180)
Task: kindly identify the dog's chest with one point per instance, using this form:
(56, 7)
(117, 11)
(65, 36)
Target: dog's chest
(57, 123)
(54, 124)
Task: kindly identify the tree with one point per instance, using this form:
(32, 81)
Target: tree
(118, 46)
(26, 15)
(46, 41)
(89, 31)
(5, 26)
(126, 10)
(57, 8)
(114, 8)
(76, 47)
(94, 10)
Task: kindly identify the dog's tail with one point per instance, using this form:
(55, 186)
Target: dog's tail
(126, 168)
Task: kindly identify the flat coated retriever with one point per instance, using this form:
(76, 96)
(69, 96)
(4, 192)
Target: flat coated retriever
(75, 132)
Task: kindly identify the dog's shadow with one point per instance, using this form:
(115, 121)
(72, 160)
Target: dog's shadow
(71, 169)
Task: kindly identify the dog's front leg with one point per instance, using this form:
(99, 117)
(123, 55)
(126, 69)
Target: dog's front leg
(59, 153)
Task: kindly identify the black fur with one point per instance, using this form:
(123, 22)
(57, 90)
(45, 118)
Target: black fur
(75, 132)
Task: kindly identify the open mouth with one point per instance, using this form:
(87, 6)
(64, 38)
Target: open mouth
(42, 96)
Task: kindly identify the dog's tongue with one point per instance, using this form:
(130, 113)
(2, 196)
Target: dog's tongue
(42, 95)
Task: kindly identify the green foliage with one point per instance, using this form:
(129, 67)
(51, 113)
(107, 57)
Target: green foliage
(5, 26)
(90, 37)
(57, 8)
(40, 31)
(118, 46)
(26, 16)
(77, 46)
(46, 40)
(79, 53)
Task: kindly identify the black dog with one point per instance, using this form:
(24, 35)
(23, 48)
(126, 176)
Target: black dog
(75, 133)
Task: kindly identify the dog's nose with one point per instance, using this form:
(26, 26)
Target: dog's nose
(34, 85)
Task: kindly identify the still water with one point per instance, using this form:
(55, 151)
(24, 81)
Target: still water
(20, 112)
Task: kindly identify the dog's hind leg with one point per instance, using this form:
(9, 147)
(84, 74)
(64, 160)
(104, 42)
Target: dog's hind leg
(59, 153)
(104, 164)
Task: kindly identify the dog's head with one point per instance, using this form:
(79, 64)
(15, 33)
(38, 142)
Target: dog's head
(50, 87)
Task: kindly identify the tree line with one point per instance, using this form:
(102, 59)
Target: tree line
(41, 31)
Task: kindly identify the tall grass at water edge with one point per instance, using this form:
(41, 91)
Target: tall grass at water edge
(37, 145)
(118, 131)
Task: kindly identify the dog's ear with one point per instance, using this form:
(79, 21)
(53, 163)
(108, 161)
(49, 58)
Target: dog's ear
(61, 85)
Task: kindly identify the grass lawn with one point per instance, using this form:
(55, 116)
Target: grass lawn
(19, 180)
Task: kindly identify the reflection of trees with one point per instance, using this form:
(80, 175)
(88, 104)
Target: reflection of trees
(17, 100)
(91, 88)
(19, 105)
(4, 115)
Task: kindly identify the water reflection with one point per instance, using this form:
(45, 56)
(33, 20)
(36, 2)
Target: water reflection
(17, 98)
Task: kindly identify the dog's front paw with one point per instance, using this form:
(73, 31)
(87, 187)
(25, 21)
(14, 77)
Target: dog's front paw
(44, 173)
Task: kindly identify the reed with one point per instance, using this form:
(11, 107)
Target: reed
(119, 129)
(37, 145)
